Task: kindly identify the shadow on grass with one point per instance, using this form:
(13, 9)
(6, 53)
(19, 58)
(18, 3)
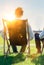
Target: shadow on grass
(39, 60)
(9, 60)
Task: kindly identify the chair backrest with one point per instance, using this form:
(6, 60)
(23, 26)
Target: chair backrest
(17, 32)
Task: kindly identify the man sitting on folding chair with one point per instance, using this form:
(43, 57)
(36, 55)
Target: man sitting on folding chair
(18, 31)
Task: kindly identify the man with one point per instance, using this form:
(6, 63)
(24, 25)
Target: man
(13, 34)
(20, 32)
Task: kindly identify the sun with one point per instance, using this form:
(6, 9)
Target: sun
(9, 17)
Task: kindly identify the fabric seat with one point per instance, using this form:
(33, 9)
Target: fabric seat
(17, 32)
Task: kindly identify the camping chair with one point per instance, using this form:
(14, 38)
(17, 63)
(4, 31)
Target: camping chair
(18, 36)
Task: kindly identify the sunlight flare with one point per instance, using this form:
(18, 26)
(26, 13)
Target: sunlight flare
(9, 17)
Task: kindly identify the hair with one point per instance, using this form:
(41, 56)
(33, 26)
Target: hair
(18, 12)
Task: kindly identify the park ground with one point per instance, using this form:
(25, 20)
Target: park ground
(19, 58)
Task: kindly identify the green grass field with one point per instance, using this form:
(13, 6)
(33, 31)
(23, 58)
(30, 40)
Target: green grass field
(20, 59)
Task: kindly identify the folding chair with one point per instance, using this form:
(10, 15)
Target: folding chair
(17, 33)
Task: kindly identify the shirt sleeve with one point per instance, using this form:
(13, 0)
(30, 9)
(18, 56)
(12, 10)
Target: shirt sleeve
(30, 32)
(41, 35)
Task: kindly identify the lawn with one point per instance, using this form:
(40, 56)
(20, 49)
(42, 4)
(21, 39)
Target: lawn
(21, 59)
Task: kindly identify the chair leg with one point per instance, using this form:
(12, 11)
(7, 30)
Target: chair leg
(43, 45)
(8, 50)
(4, 44)
(8, 45)
(28, 48)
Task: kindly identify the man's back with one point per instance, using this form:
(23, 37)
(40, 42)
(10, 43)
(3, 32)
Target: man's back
(17, 32)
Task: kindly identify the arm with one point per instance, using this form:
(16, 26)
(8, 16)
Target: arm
(41, 35)
(30, 32)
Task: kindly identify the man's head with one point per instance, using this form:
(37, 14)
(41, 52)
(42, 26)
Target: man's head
(18, 12)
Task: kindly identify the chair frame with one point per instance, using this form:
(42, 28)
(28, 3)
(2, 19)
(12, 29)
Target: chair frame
(6, 38)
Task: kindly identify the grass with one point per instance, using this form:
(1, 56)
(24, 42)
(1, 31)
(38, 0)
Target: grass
(20, 59)
(1, 40)
(32, 41)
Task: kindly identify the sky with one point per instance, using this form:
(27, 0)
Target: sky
(33, 11)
